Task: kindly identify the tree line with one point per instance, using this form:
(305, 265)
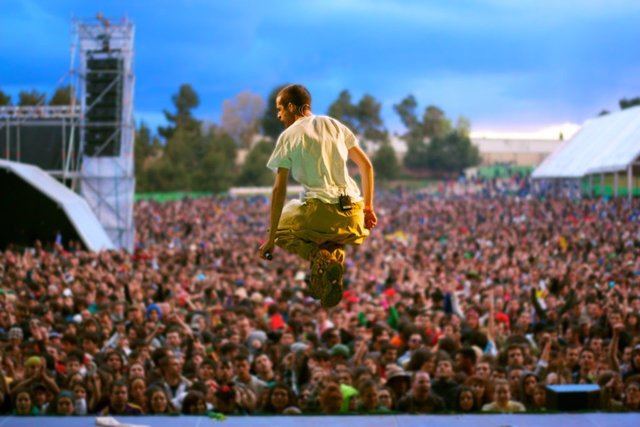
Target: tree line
(191, 154)
(26, 98)
(195, 155)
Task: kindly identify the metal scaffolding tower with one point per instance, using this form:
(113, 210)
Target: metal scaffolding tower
(102, 70)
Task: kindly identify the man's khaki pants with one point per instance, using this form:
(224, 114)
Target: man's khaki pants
(305, 226)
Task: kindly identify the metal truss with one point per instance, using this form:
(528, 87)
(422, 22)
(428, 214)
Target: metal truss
(107, 182)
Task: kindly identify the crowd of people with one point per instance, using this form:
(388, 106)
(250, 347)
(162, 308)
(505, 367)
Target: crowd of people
(458, 303)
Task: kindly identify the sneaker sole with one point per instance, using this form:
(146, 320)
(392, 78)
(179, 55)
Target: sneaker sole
(319, 264)
(315, 289)
(333, 292)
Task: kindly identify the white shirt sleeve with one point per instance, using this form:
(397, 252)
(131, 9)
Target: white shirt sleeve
(281, 156)
(350, 139)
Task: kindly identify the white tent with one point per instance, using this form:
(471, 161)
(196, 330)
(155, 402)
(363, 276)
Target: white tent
(77, 211)
(605, 144)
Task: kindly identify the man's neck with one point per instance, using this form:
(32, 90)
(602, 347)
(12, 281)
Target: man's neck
(307, 113)
(421, 397)
(173, 379)
(266, 376)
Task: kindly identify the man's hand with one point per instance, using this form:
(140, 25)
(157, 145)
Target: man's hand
(370, 219)
(266, 248)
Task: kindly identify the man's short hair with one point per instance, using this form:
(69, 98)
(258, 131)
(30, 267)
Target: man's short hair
(94, 337)
(499, 383)
(174, 329)
(296, 94)
(209, 362)
(487, 358)
(321, 355)
(468, 353)
(329, 379)
(386, 347)
(587, 350)
(165, 360)
(515, 347)
(76, 355)
(241, 358)
(71, 339)
(118, 383)
(224, 362)
(228, 348)
(516, 368)
(416, 374)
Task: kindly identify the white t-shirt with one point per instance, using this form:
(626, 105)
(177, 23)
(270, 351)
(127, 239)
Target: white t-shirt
(316, 149)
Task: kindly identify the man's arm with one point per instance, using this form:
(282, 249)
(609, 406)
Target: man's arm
(360, 158)
(278, 196)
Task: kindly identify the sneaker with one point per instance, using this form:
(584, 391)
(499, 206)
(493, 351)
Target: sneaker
(319, 263)
(333, 290)
(326, 278)
(312, 290)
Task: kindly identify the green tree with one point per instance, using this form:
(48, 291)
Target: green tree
(190, 160)
(184, 101)
(254, 170)
(5, 99)
(141, 148)
(406, 110)
(271, 126)
(435, 123)
(362, 118)
(385, 162)
(370, 124)
(146, 149)
(453, 152)
(62, 96)
(162, 175)
(182, 152)
(217, 170)
(194, 163)
(463, 126)
(628, 103)
(416, 155)
(344, 110)
(30, 98)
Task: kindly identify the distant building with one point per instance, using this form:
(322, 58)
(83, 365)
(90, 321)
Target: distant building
(520, 152)
(514, 151)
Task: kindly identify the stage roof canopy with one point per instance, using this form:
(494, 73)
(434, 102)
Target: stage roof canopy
(37, 207)
(605, 144)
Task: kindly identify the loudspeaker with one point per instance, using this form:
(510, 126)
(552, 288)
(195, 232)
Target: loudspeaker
(104, 95)
(573, 397)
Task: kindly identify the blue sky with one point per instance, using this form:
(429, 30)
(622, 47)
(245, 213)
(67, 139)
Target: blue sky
(514, 65)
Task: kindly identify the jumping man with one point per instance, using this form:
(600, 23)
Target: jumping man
(332, 212)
